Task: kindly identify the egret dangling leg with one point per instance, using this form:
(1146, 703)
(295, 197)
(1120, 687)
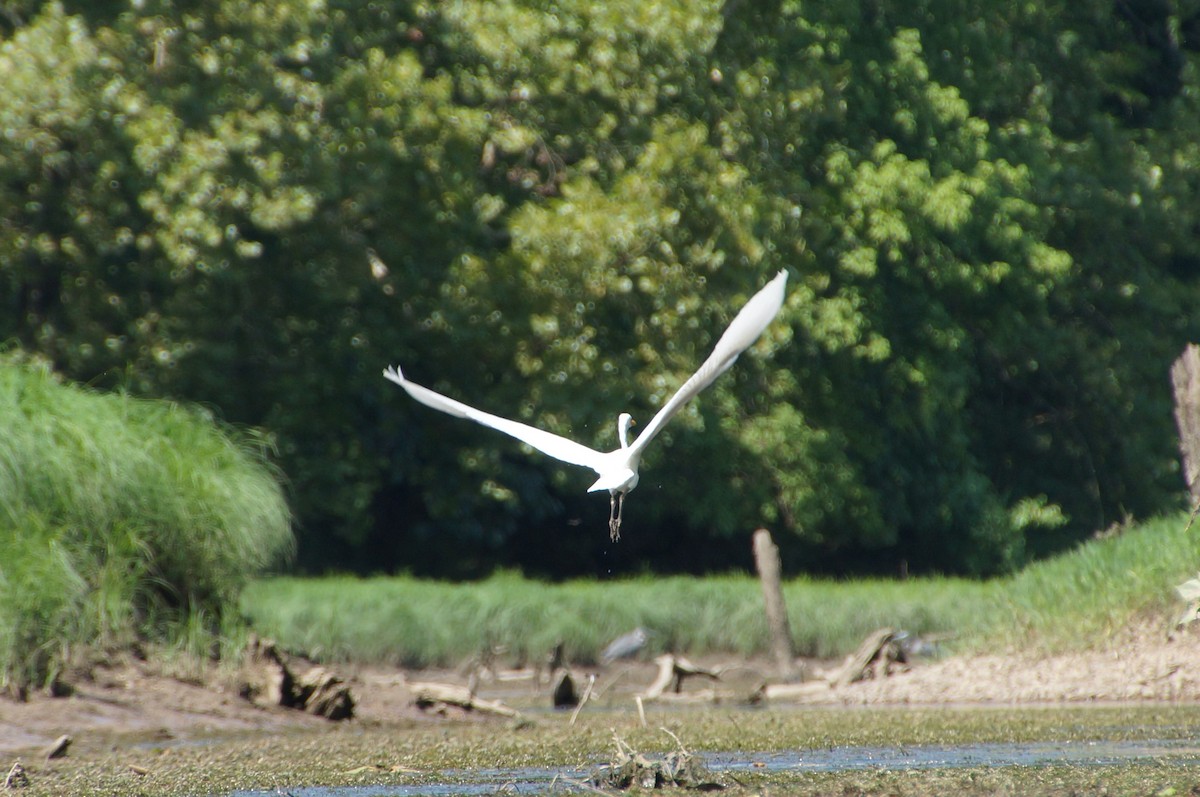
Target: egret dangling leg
(620, 512)
(616, 500)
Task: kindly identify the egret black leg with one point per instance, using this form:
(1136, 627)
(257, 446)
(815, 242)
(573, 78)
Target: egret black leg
(614, 527)
(614, 523)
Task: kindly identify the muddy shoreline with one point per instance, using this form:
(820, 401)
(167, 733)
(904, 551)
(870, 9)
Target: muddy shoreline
(137, 702)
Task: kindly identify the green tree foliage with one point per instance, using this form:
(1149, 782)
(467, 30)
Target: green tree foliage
(550, 210)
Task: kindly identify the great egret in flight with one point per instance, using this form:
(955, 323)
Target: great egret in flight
(618, 470)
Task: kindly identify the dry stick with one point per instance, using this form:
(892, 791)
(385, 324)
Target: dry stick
(641, 709)
(587, 693)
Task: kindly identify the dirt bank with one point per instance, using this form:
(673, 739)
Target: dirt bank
(134, 701)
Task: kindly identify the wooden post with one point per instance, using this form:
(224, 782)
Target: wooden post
(1185, 379)
(766, 559)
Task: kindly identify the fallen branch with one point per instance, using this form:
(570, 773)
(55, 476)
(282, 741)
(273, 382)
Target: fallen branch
(427, 695)
(874, 657)
(672, 671)
(790, 691)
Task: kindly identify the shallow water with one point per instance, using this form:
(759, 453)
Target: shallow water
(833, 759)
(996, 754)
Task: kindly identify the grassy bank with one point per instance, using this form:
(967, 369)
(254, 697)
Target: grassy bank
(120, 520)
(1079, 598)
(1100, 588)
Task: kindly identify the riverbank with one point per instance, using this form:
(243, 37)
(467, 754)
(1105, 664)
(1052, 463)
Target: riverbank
(133, 702)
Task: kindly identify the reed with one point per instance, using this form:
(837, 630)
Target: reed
(1079, 599)
(120, 519)
(416, 623)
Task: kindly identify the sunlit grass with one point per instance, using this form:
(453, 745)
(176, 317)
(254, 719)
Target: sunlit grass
(1081, 598)
(120, 519)
(1100, 589)
(424, 623)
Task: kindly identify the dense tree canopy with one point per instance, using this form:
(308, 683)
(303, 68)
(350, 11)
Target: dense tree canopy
(551, 209)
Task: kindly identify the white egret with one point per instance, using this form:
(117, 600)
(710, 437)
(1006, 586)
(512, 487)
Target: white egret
(618, 470)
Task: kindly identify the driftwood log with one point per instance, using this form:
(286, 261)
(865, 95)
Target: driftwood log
(58, 748)
(437, 696)
(769, 692)
(272, 680)
(876, 657)
(672, 671)
(323, 693)
(873, 659)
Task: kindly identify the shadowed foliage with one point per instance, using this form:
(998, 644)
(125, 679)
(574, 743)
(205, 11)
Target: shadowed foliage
(987, 211)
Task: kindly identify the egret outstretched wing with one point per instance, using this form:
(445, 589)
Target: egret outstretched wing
(618, 470)
(548, 443)
(747, 325)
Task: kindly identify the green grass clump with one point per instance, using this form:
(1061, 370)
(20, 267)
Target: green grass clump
(120, 519)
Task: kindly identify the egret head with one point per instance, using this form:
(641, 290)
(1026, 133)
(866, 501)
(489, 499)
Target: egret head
(624, 421)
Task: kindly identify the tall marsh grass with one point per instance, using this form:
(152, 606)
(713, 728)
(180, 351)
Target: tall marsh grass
(1083, 598)
(120, 519)
(406, 621)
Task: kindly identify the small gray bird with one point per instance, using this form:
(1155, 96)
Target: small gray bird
(625, 646)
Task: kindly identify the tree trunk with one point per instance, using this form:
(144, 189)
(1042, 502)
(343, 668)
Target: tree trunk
(766, 559)
(1185, 378)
